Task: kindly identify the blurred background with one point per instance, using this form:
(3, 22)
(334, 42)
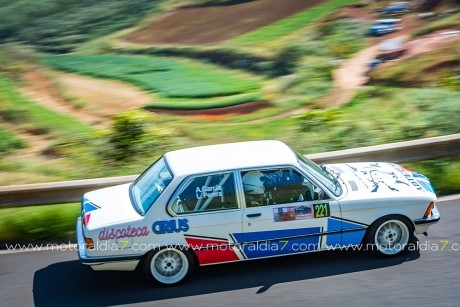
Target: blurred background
(102, 88)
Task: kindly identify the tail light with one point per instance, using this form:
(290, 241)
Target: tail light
(428, 210)
(89, 243)
(85, 219)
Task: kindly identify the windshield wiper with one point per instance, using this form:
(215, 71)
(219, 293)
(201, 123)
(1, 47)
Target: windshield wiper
(335, 177)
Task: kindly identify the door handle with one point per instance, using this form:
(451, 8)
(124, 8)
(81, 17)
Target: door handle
(254, 215)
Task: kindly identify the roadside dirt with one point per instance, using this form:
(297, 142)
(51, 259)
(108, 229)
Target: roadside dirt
(103, 98)
(213, 24)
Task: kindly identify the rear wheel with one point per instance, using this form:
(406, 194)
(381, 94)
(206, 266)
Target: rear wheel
(390, 236)
(169, 266)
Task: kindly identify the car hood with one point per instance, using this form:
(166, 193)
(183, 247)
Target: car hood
(109, 206)
(382, 180)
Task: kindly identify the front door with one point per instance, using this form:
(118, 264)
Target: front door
(285, 213)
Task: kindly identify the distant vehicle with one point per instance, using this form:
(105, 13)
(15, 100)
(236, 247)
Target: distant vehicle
(391, 49)
(385, 26)
(372, 64)
(425, 15)
(251, 200)
(397, 9)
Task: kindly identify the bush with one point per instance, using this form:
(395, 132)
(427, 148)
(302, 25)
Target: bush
(286, 60)
(9, 142)
(132, 135)
(318, 119)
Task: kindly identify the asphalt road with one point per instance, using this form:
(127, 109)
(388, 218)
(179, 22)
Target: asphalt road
(428, 277)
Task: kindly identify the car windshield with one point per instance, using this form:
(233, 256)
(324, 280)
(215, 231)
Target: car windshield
(146, 189)
(320, 174)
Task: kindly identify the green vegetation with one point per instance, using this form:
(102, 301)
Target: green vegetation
(171, 78)
(450, 22)
(9, 142)
(60, 26)
(288, 25)
(384, 115)
(444, 174)
(377, 115)
(39, 223)
(343, 37)
(34, 117)
(132, 135)
(198, 104)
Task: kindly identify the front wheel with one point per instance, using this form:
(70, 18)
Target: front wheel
(169, 266)
(390, 236)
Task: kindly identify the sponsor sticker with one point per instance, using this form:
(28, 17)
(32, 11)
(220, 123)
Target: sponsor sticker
(128, 232)
(292, 213)
(170, 226)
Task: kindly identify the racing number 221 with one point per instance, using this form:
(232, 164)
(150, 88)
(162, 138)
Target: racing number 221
(322, 210)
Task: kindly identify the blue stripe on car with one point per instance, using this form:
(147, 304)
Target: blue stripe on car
(265, 243)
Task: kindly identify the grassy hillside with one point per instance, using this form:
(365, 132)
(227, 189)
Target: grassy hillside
(450, 22)
(427, 68)
(60, 26)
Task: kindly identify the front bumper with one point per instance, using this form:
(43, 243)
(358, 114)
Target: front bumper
(116, 263)
(422, 225)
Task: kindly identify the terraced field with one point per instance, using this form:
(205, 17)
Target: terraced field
(34, 117)
(179, 84)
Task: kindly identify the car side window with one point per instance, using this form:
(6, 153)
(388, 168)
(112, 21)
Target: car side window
(278, 186)
(206, 193)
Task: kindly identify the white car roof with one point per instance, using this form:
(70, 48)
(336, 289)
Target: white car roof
(214, 158)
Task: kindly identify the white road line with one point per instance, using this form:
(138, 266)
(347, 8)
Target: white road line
(448, 198)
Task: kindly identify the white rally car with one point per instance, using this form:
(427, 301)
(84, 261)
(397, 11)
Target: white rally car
(231, 202)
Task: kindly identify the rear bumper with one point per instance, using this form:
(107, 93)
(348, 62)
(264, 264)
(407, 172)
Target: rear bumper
(117, 263)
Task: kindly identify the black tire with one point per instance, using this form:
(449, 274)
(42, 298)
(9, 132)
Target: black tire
(177, 262)
(389, 236)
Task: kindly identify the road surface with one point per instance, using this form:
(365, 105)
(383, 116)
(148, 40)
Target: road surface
(429, 277)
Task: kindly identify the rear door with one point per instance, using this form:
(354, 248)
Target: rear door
(284, 213)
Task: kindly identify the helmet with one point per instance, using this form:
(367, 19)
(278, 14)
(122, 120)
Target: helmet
(252, 183)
